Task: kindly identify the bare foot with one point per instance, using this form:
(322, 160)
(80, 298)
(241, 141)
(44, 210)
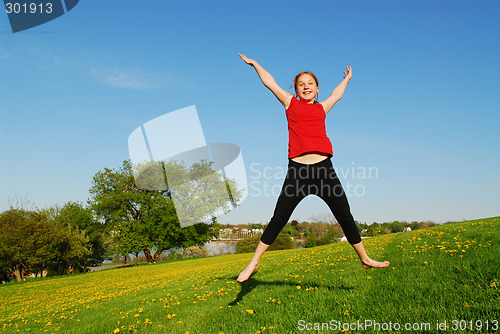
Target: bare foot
(374, 264)
(245, 274)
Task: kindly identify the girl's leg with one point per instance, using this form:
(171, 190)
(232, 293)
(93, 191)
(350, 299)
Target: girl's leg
(332, 192)
(365, 260)
(284, 208)
(254, 262)
(291, 195)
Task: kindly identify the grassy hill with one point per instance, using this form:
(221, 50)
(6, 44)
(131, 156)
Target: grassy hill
(446, 273)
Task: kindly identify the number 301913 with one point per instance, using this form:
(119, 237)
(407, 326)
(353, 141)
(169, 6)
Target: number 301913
(31, 8)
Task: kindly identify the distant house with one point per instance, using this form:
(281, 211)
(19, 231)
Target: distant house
(407, 229)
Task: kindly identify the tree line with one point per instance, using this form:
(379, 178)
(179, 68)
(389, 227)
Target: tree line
(321, 231)
(118, 218)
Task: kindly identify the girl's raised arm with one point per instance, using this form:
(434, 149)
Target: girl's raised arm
(338, 92)
(268, 81)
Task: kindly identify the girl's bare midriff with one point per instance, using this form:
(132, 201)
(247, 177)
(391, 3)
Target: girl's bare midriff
(310, 158)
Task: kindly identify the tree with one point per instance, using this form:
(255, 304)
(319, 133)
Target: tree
(362, 226)
(312, 241)
(288, 229)
(332, 235)
(33, 241)
(414, 225)
(141, 219)
(257, 226)
(372, 231)
(304, 227)
(78, 218)
(69, 249)
(15, 226)
(396, 227)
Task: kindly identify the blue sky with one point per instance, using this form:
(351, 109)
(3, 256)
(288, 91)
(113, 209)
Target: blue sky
(422, 111)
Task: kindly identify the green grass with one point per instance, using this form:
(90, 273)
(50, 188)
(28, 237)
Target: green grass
(449, 272)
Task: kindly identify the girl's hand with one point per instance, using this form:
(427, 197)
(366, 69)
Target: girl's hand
(246, 59)
(348, 74)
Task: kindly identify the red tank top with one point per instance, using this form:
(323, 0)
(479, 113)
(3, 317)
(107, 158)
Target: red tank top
(307, 129)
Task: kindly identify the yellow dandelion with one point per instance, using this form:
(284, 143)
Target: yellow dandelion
(117, 330)
(299, 287)
(249, 311)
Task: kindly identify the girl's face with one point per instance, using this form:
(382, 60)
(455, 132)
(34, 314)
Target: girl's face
(306, 88)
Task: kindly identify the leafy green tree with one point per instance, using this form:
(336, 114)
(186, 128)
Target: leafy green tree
(312, 241)
(290, 230)
(15, 228)
(414, 225)
(396, 227)
(32, 241)
(384, 229)
(331, 235)
(79, 218)
(69, 249)
(362, 226)
(146, 220)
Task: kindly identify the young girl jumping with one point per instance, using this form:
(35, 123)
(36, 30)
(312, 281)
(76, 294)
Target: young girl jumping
(310, 170)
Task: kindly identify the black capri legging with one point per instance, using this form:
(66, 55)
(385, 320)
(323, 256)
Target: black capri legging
(317, 179)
